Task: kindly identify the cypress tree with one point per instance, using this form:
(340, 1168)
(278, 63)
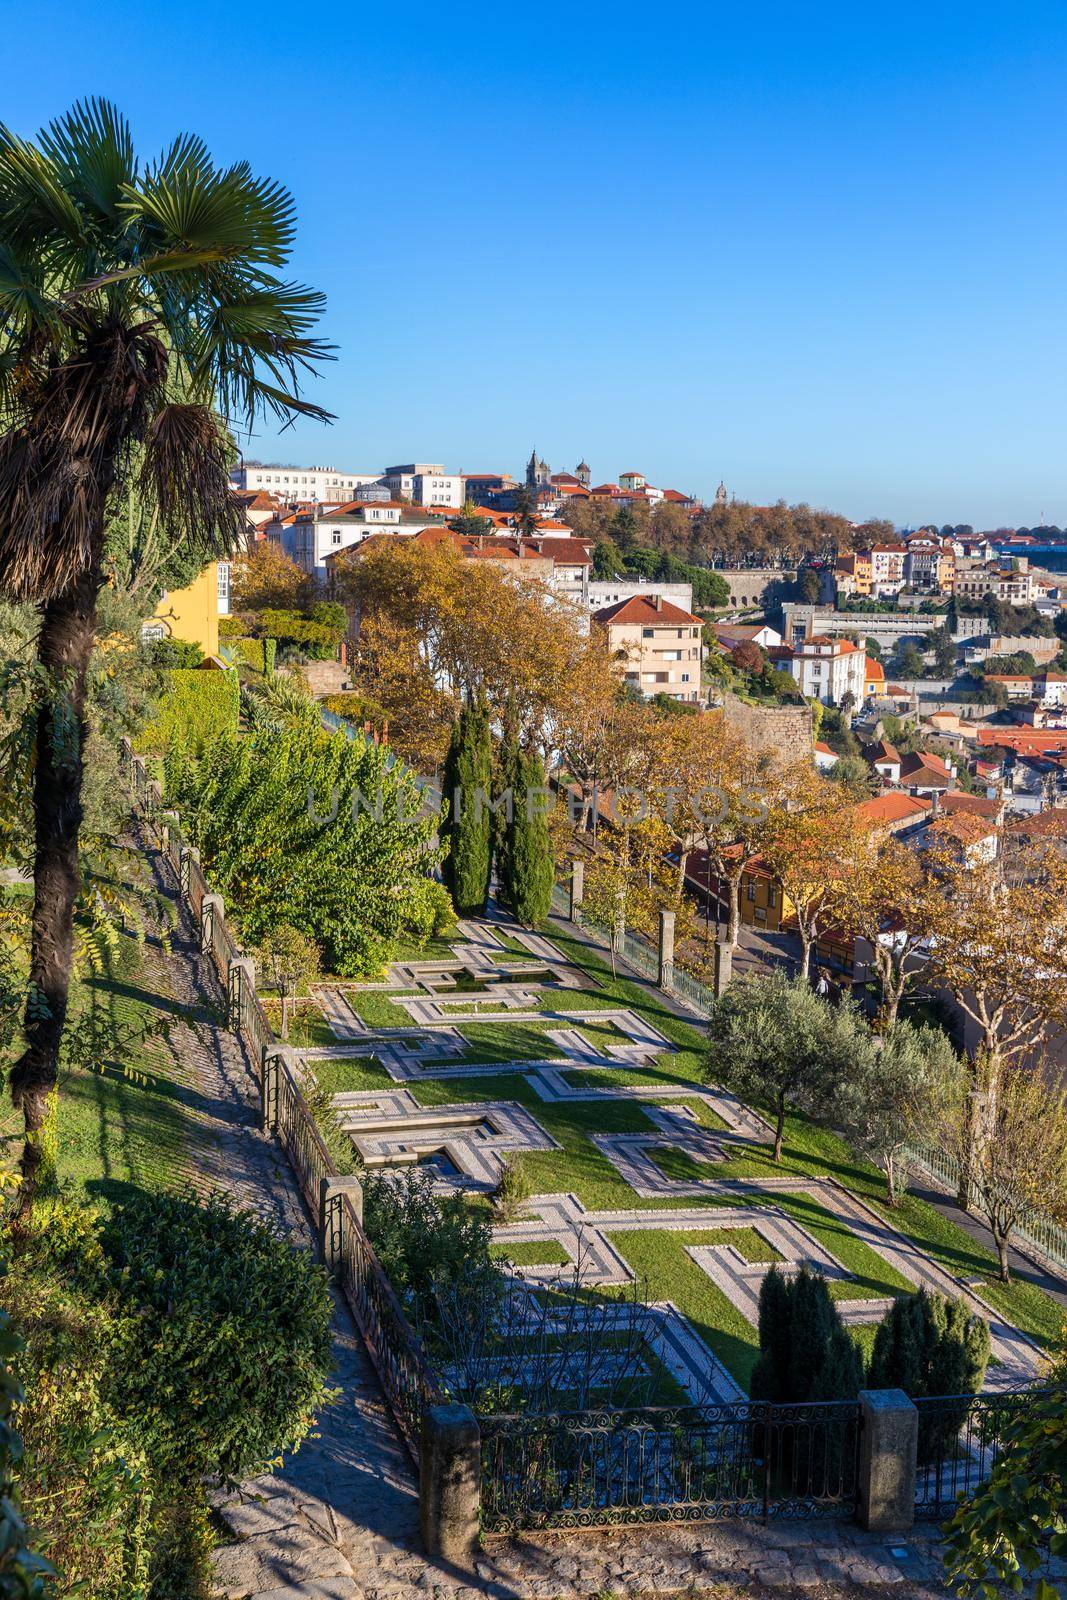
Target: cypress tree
(927, 1344)
(812, 1323)
(775, 1317)
(529, 846)
(507, 777)
(467, 779)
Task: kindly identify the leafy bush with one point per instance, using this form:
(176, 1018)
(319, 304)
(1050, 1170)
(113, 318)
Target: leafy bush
(198, 707)
(253, 653)
(513, 1190)
(317, 633)
(422, 1236)
(227, 1353)
(175, 1339)
(352, 882)
(231, 627)
(173, 653)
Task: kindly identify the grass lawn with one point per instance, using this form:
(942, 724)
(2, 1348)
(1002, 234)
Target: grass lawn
(531, 1253)
(131, 1120)
(578, 1166)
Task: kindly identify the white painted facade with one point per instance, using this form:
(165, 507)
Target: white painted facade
(300, 483)
(828, 669)
(424, 483)
(608, 591)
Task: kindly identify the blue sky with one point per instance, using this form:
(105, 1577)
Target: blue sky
(820, 252)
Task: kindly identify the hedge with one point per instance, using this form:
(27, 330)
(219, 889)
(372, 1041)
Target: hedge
(197, 708)
(255, 653)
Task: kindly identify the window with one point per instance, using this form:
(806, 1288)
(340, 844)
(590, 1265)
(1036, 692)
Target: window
(337, 538)
(648, 633)
(153, 630)
(685, 677)
(750, 889)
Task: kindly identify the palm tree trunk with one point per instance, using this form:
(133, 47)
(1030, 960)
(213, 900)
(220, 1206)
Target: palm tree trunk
(64, 647)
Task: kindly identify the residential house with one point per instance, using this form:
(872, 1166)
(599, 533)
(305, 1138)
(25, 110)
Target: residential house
(311, 536)
(853, 575)
(192, 613)
(825, 669)
(967, 838)
(874, 678)
(424, 483)
(609, 591)
(825, 758)
(658, 646)
(897, 813)
(731, 634)
(887, 568)
(885, 759)
(925, 774)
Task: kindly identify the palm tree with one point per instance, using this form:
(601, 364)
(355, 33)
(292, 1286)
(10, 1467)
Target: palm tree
(140, 313)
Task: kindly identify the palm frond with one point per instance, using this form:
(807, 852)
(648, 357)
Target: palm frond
(186, 475)
(92, 149)
(189, 204)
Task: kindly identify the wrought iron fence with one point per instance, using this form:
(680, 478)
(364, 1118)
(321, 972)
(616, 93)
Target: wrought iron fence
(1033, 1227)
(692, 991)
(302, 1141)
(961, 1438)
(407, 1378)
(691, 1463)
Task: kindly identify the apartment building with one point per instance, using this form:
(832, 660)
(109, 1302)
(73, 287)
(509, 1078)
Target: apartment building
(1017, 585)
(424, 483)
(658, 646)
(887, 568)
(308, 538)
(288, 483)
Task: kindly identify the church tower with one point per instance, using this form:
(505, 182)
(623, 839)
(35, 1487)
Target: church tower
(583, 474)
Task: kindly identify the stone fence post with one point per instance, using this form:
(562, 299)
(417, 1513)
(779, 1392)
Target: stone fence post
(577, 890)
(331, 1215)
(889, 1447)
(240, 980)
(666, 950)
(189, 853)
(275, 1057)
(450, 1480)
(724, 966)
(210, 907)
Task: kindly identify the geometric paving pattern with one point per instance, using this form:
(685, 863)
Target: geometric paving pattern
(464, 1145)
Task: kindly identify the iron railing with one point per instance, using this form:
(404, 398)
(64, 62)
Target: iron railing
(961, 1439)
(1034, 1227)
(691, 1463)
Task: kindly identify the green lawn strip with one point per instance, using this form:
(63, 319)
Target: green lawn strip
(438, 947)
(345, 1074)
(579, 1166)
(634, 1077)
(531, 1253)
(377, 1007)
(131, 1121)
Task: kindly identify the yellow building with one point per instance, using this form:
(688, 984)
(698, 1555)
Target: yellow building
(192, 613)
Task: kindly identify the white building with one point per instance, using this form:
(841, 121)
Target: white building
(657, 645)
(825, 669)
(309, 539)
(424, 483)
(609, 591)
(300, 483)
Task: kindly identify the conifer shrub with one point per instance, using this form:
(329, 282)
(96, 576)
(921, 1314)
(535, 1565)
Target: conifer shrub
(513, 1189)
(468, 829)
(529, 846)
(805, 1351)
(928, 1344)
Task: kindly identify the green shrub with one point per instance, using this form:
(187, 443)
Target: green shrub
(805, 1351)
(226, 1355)
(313, 636)
(927, 1344)
(231, 627)
(198, 707)
(173, 653)
(255, 653)
(513, 1189)
(422, 1236)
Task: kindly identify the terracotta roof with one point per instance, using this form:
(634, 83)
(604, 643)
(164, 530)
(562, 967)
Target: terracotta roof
(1042, 825)
(875, 670)
(894, 807)
(974, 804)
(925, 768)
(964, 827)
(824, 749)
(638, 609)
(882, 750)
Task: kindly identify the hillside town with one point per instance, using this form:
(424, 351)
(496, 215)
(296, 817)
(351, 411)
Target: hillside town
(533, 1003)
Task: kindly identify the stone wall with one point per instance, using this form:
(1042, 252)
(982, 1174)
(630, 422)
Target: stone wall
(780, 730)
(327, 677)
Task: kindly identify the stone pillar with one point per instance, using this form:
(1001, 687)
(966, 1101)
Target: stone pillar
(189, 854)
(331, 1214)
(889, 1443)
(577, 890)
(274, 1058)
(666, 949)
(211, 906)
(450, 1482)
(724, 966)
(242, 971)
